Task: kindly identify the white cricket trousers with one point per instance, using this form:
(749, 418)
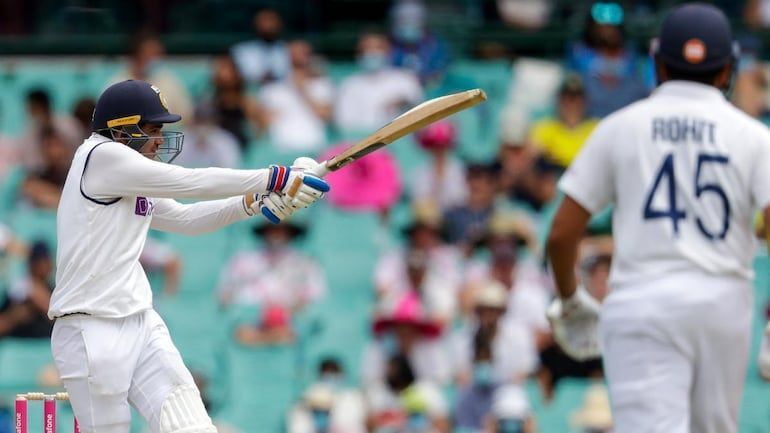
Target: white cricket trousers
(676, 352)
(107, 364)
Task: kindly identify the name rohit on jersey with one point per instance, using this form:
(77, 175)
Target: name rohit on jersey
(683, 129)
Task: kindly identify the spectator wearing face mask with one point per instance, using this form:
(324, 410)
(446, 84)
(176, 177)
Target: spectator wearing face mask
(608, 64)
(489, 353)
(378, 92)
(299, 106)
(145, 62)
(327, 405)
(265, 58)
(277, 278)
(414, 46)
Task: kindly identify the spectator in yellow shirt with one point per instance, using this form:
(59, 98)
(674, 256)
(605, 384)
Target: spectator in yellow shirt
(562, 137)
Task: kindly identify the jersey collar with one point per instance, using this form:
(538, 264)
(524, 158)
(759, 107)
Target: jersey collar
(690, 90)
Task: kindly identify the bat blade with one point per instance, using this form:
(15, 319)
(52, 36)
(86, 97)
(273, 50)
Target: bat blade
(414, 119)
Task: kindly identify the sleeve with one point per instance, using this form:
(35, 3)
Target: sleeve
(114, 170)
(589, 180)
(171, 216)
(760, 176)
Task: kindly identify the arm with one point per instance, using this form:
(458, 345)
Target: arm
(115, 170)
(202, 217)
(567, 230)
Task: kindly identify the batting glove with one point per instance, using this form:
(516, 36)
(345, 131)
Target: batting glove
(297, 182)
(764, 354)
(575, 324)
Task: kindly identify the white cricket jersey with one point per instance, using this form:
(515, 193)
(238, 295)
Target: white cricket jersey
(685, 171)
(105, 212)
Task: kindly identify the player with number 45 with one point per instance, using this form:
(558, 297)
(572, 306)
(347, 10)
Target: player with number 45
(685, 172)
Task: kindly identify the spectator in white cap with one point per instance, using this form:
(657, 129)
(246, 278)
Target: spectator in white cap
(489, 353)
(511, 412)
(378, 92)
(414, 46)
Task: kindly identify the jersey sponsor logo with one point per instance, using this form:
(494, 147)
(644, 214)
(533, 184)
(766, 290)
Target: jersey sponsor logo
(694, 51)
(143, 206)
(683, 129)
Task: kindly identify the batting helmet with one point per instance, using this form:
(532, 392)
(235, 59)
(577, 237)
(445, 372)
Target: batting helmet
(124, 108)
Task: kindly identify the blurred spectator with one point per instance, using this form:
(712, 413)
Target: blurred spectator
(441, 181)
(327, 406)
(595, 415)
(266, 58)
(562, 137)
(159, 258)
(488, 350)
(376, 94)
(208, 145)
(25, 311)
(525, 14)
(368, 184)
(41, 119)
(510, 241)
(403, 329)
(276, 275)
(234, 111)
(83, 112)
(299, 106)
(541, 186)
(607, 63)
(145, 62)
(750, 90)
(510, 412)
(403, 370)
(427, 267)
(466, 223)
(42, 187)
(414, 46)
(274, 327)
(516, 156)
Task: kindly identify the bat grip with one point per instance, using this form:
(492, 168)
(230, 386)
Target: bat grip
(319, 171)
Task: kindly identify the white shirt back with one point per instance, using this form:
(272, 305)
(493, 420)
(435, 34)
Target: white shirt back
(99, 244)
(685, 171)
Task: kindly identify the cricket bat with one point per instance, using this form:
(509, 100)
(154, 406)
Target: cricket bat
(414, 119)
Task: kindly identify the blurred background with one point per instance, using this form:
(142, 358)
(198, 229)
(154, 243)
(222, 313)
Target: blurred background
(412, 299)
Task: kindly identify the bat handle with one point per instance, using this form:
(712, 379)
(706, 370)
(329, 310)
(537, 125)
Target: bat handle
(319, 171)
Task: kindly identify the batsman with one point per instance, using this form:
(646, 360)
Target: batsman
(112, 350)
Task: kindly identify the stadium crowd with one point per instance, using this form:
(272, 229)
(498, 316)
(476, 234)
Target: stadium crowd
(460, 303)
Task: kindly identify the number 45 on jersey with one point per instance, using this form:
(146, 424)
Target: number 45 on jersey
(665, 182)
